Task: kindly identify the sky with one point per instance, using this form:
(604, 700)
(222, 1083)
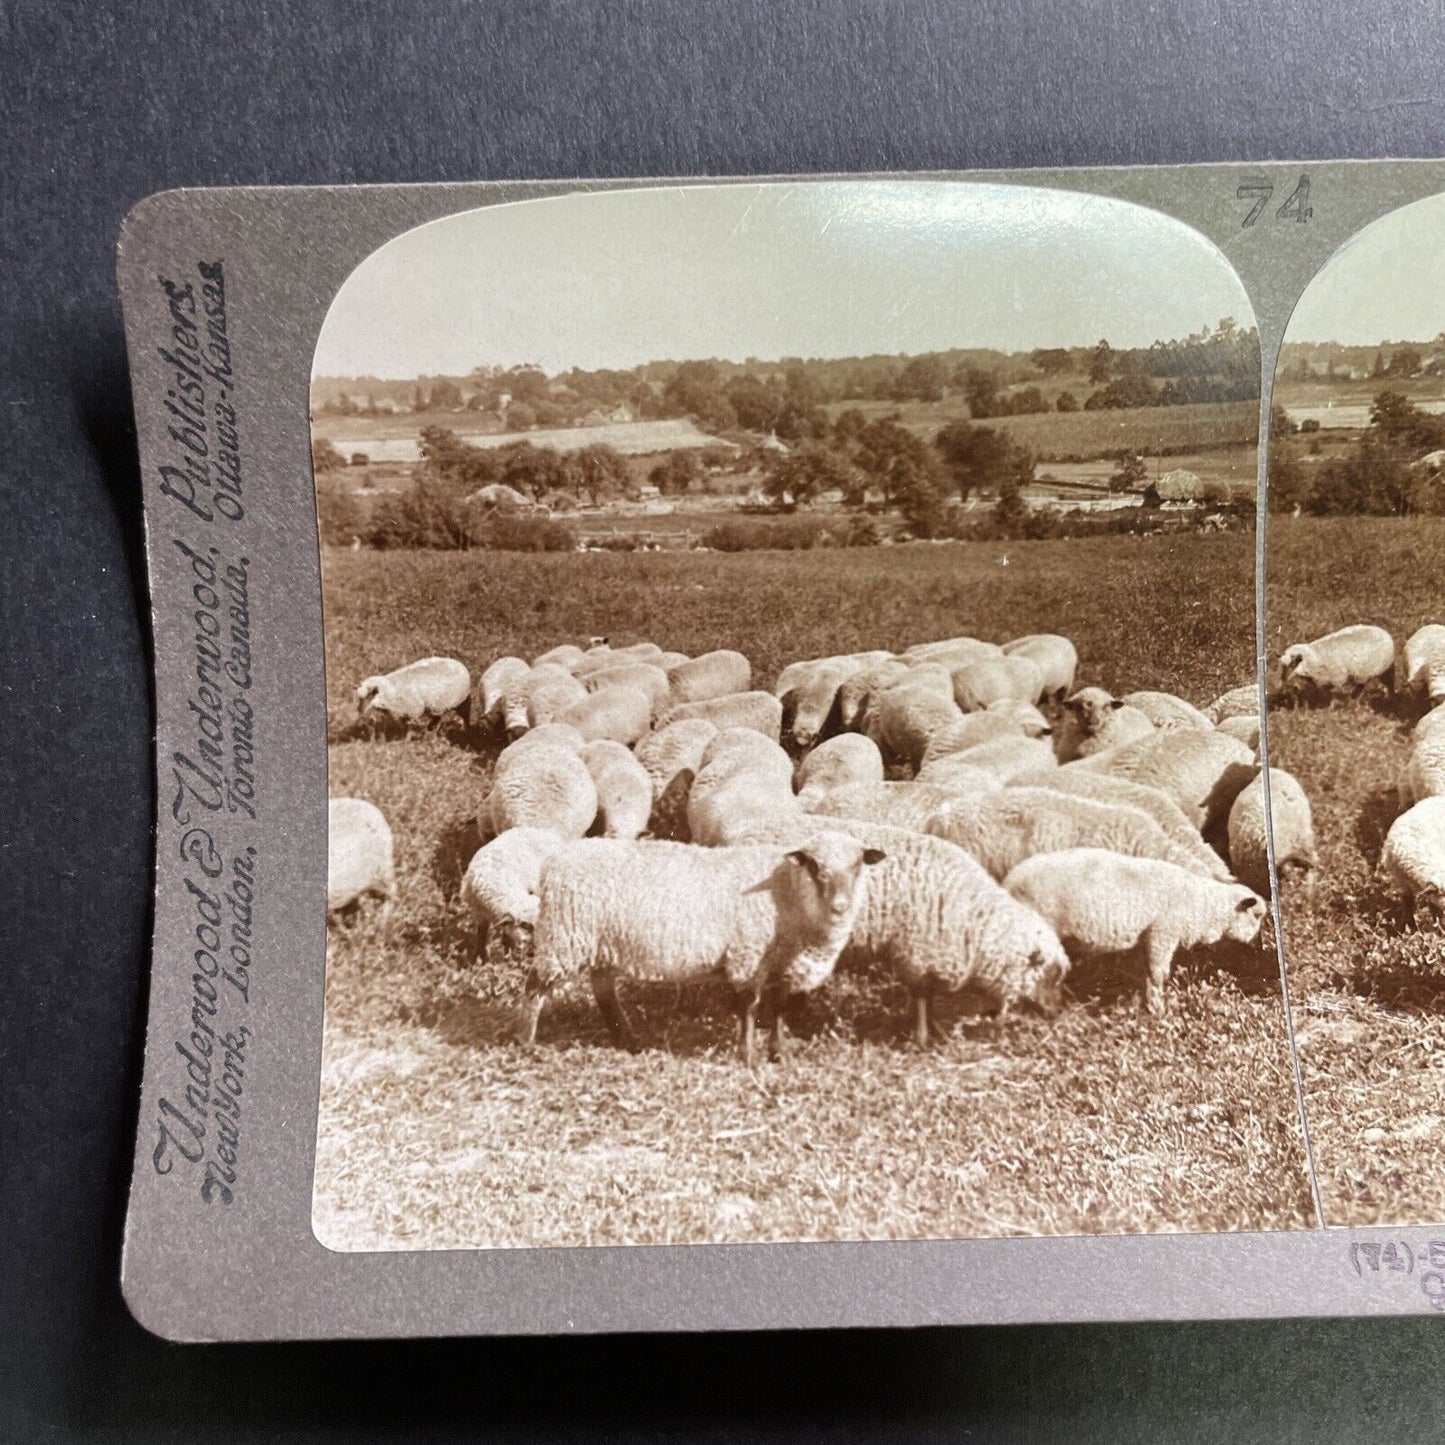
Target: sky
(1386, 284)
(807, 269)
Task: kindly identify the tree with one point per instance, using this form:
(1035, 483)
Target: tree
(1130, 475)
(1405, 362)
(1010, 512)
(1052, 360)
(981, 457)
(980, 390)
(520, 417)
(805, 472)
(922, 379)
(678, 472)
(535, 471)
(695, 390)
(753, 402)
(1066, 401)
(600, 471)
(920, 489)
(1101, 362)
(446, 396)
(849, 425)
(324, 456)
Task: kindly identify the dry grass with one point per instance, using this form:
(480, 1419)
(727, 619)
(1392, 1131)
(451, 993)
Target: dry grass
(438, 1132)
(1367, 985)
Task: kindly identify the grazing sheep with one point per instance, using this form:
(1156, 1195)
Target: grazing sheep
(624, 790)
(1241, 701)
(1095, 722)
(1004, 828)
(419, 691)
(1203, 772)
(1166, 711)
(760, 711)
(672, 757)
(621, 713)
(567, 656)
(641, 676)
(546, 692)
(1006, 757)
(1099, 902)
(984, 727)
(906, 718)
(1422, 665)
(505, 674)
(1412, 861)
(544, 786)
(1432, 722)
(1423, 775)
(744, 778)
(902, 804)
(1295, 855)
(714, 674)
(1245, 729)
(766, 919)
(978, 684)
(640, 651)
(847, 758)
(800, 674)
(499, 889)
(857, 692)
(668, 660)
(562, 735)
(812, 706)
(1350, 660)
(1056, 658)
(1102, 788)
(358, 855)
(953, 652)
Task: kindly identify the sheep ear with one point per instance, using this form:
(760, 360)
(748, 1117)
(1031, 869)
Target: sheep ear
(1074, 705)
(1246, 904)
(1115, 704)
(804, 859)
(873, 855)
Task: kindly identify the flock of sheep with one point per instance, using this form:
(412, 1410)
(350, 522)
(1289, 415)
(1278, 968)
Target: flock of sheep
(958, 813)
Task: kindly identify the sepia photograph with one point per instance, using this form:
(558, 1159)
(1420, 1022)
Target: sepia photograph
(1356, 628)
(793, 726)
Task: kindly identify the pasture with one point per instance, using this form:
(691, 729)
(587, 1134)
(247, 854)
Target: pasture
(437, 1132)
(1368, 988)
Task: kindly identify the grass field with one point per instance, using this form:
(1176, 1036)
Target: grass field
(438, 1132)
(1368, 988)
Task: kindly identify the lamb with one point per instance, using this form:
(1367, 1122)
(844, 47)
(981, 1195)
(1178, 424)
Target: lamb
(857, 692)
(546, 692)
(978, 684)
(714, 674)
(766, 919)
(1166, 711)
(621, 713)
(417, 692)
(1295, 854)
(1242, 701)
(1423, 775)
(906, 718)
(498, 680)
(1004, 828)
(359, 856)
(1006, 757)
(1095, 722)
(624, 790)
(1352, 659)
(644, 677)
(1203, 772)
(847, 758)
(813, 705)
(760, 711)
(902, 804)
(672, 757)
(1100, 902)
(1056, 658)
(499, 889)
(1412, 861)
(1422, 665)
(543, 786)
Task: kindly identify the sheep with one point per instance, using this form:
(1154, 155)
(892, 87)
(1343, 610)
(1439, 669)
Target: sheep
(672, 757)
(498, 680)
(1412, 861)
(813, 705)
(1004, 828)
(1166, 711)
(1241, 701)
(847, 758)
(1094, 722)
(359, 856)
(1428, 725)
(953, 652)
(567, 656)
(642, 676)
(902, 804)
(1422, 665)
(417, 692)
(621, 713)
(906, 718)
(1103, 788)
(975, 728)
(1203, 772)
(1245, 729)
(1056, 657)
(1295, 854)
(933, 916)
(546, 692)
(768, 920)
(760, 711)
(1100, 902)
(714, 674)
(554, 734)
(1423, 775)
(744, 778)
(543, 786)
(978, 684)
(857, 692)
(1006, 757)
(668, 660)
(499, 889)
(624, 790)
(1349, 660)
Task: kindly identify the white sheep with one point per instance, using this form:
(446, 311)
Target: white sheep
(977, 684)
(1100, 903)
(546, 692)
(847, 758)
(984, 727)
(1095, 722)
(1351, 659)
(713, 674)
(857, 692)
(622, 714)
(554, 734)
(760, 711)
(1007, 757)
(499, 889)
(1241, 701)
(744, 778)
(1004, 828)
(1166, 711)
(907, 716)
(500, 678)
(1295, 854)
(643, 677)
(1422, 665)
(1056, 658)
(1244, 729)
(1412, 861)
(419, 691)
(909, 804)
(768, 920)
(624, 790)
(1203, 772)
(672, 757)
(953, 652)
(567, 656)
(810, 709)
(359, 856)
(1423, 775)
(543, 786)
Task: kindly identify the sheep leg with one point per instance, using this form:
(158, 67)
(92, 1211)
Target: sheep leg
(748, 1027)
(922, 996)
(531, 1011)
(775, 1032)
(604, 988)
(1159, 950)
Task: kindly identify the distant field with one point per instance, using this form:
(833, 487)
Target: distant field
(395, 439)
(436, 1132)
(1368, 989)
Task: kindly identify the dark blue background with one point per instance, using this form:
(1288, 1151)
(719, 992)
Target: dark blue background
(100, 106)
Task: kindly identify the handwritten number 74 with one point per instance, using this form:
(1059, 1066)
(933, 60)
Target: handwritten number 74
(1296, 205)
